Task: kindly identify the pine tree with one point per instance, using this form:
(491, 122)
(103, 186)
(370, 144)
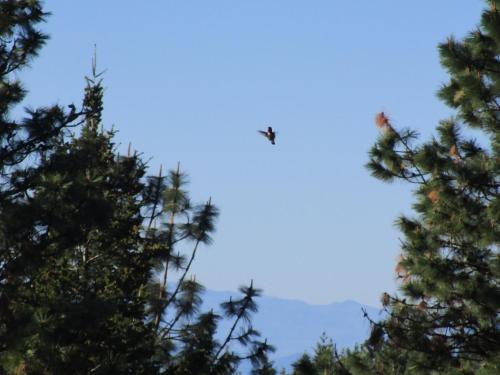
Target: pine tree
(84, 235)
(265, 369)
(326, 360)
(448, 315)
(24, 144)
(85, 313)
(324, 355)
(187, 341)
(304, 366)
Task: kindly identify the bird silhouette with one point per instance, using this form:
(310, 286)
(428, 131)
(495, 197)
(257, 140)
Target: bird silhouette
(269, 134)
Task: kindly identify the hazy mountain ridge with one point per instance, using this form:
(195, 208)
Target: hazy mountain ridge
(294, 326)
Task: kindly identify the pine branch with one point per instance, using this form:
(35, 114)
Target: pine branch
(412, 154)
(181, 280)
(247, 300)
(156, 199)
(170, 238)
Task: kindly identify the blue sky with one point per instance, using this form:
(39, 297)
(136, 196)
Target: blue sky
(192, 81)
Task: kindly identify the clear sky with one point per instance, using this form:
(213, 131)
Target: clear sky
(193, 81)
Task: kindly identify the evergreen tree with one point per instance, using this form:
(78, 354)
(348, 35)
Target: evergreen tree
(304, 366)
(324, 357)
(186, 338)
(84, 236)
(84, 312)
(364, 360)
(24, 144)
(448, 315)
(265, 369)
(326, 360)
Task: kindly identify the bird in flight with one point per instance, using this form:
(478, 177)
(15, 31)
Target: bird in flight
(269, 134)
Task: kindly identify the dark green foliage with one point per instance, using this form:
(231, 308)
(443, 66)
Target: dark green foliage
(326, 360)
(198, 347)
(304, 366)
(324, 355)
(448, 316)
(81, 261)
(20, 233)
(265, 369)
(85, 236)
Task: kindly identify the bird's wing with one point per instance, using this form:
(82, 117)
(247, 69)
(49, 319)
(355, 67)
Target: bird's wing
(262, 132)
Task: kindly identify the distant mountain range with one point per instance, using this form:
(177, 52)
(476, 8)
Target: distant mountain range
(294, 327)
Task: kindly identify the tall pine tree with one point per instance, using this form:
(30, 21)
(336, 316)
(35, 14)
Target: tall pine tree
(84, 312)
(24, 144)
(85, 235)
(448, 314)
